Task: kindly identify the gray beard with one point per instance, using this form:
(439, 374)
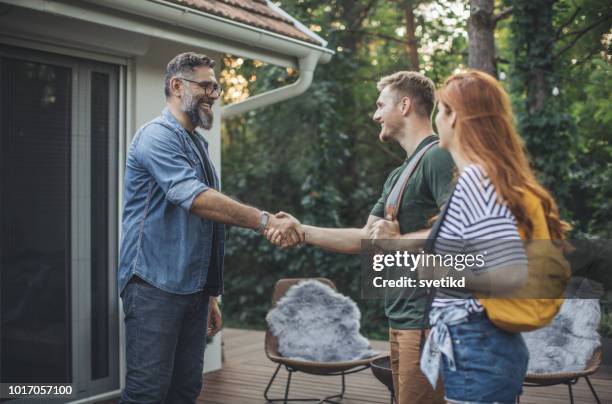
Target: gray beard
(198, 117)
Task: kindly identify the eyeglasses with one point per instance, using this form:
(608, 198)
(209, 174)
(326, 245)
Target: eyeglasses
(211, 88)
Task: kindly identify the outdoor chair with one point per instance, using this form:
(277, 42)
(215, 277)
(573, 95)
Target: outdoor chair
(314, 368)
(381, 368)
(567, 378)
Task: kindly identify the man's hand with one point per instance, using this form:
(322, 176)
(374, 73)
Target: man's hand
(215, 320)
(384, 229)
(284, 230)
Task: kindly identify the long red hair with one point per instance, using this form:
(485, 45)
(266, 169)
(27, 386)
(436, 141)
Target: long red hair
(486, 135)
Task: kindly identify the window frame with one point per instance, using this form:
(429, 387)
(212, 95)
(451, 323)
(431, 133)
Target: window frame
(80, 213)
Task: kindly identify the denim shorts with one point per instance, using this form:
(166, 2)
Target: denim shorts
(490, 363)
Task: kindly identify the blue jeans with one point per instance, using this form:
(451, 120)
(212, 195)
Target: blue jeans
(490, 363)
(165, 338)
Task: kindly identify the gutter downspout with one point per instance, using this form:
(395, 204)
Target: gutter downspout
(307, 66)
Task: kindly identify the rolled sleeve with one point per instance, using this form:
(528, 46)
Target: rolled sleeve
(379, 208)
(161, 154)
(184, 193)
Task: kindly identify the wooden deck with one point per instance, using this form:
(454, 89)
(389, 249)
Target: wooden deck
(246, 372)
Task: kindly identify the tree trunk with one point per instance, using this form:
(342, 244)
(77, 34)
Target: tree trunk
(539, 57)
(540, 121)
(481, 44)
(353, 13)
(412, 44)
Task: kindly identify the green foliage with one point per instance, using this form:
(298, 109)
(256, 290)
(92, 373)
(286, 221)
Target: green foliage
(561, 88)
(605, 326)
(559, 47)
(591, 173)
(318, 156)
(543, 125)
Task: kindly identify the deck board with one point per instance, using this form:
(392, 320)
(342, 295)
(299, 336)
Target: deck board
(246, 372)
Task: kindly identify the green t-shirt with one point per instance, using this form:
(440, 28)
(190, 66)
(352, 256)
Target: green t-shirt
(427, 190)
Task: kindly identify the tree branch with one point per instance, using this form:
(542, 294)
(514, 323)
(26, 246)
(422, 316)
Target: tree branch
(503, 14)
(502, 60)
(589, 55)
(579, 34)
(363, 14)
(566, 23)
(374, 34)
(589, 27)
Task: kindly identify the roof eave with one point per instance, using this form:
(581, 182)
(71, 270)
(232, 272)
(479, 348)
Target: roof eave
(297, 24)
(246, 40)
(226, 36)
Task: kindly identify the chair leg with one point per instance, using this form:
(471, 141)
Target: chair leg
(592, 390)
(270, 383)
(287, 386)
(329, 399)
(285, 400)
(571, 393)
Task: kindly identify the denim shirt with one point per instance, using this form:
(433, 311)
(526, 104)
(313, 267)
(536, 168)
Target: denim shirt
(162, 241)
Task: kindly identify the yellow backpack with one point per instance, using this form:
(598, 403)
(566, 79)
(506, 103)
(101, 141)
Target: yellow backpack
(548, 275)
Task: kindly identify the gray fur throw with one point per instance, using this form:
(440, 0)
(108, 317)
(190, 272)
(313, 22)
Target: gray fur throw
(313, 322)
(567, 343)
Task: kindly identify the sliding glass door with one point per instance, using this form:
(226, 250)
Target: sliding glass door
(35, 205)
(58, 220)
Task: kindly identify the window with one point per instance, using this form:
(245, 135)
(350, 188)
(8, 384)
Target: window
(58, 219)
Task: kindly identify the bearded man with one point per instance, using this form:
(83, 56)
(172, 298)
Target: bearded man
(172, 246)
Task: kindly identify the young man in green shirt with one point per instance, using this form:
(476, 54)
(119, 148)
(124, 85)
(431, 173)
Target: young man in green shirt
(404, 110)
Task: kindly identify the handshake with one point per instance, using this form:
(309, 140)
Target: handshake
(284, 230)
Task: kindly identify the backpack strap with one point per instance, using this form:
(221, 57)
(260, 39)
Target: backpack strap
(429, 248)
(395, 196)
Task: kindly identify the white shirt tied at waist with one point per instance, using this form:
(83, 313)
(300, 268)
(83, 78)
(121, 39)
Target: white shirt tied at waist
(439, 341)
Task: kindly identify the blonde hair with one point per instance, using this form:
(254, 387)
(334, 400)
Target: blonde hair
(419, 88)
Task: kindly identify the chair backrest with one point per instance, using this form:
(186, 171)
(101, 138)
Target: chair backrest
(283, 285)
(595, 362)
(550, 379)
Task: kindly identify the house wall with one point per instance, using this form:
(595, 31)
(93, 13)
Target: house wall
(143, 60)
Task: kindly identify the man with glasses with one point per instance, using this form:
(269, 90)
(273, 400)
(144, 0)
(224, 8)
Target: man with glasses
(172, 246)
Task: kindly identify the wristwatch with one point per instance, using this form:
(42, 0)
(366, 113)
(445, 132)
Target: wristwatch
(263, 221)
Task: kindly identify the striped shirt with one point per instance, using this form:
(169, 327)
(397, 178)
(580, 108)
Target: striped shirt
(476, 222)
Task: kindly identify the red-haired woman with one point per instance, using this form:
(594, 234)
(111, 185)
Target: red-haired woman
(480, 362)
